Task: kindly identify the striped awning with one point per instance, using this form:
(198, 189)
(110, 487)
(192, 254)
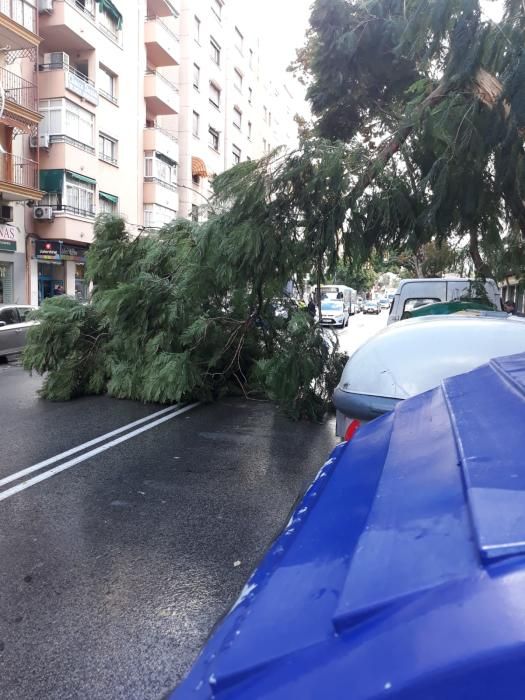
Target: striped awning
(198, 167)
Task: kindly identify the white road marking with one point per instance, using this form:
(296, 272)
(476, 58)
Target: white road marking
(87, 455)
(83, 446)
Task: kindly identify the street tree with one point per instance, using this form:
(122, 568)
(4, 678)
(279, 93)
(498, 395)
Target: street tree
(429, 96)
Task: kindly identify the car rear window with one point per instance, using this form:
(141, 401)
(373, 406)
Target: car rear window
(416, 303)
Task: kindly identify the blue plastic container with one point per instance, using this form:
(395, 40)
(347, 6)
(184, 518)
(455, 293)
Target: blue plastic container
(402, 572)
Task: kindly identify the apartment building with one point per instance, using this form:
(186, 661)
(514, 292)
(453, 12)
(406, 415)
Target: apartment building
(120, 107)
(19, 120)
(230, 110)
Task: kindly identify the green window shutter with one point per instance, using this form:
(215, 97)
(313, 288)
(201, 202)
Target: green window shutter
(108, 197)
(109, 8)
(51, 180)
(81, 178)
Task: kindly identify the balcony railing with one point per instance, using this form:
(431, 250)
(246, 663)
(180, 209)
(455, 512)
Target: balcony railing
(75, 81)
(152, 18)
(87, 6)
(169, 134)
(21, 11)
(18, 171)
(164, 80)
(18, 90)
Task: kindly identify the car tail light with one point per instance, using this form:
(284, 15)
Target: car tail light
(353, 426)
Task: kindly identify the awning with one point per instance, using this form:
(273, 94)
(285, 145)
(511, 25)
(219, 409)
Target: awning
(81, 178)
(198, 167)
(108, 197)
(109, 8)
(52, 180)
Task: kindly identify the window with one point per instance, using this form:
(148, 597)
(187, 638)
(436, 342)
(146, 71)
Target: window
(107, 203)
(237, 79)
(194, 213)
(196, 76)
(236, 152)
(107, 149)
(250, 130)
(265, 115)
(413, 304)
(215, 52)
(250, 95)
(107, 83)
(9, 317)
(213, 139)
(197, 29)
(80, 195)
(65, 119)
(216, 7)
(158, 167)
(110, 19)
(265, 146)
(239, 39)
(251, 58)
(237, 117)
(215, 96)
(269, 118)
(195, 124)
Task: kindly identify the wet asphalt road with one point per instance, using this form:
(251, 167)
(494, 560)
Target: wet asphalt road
(113, 572)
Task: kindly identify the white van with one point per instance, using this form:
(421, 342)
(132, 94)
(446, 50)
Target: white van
(414, 293)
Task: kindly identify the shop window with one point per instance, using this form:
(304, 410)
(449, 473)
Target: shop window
(6, 283)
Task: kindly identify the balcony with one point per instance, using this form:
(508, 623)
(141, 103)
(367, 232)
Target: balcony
(162, 45)
(18, 178)
(162, 97)
(70, 26)
(58, 77)
(18, 24)
(20, 97)
(161, 141)
(162, 193)
(163, 8)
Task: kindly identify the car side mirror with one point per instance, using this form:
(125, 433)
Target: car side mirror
(2, 324)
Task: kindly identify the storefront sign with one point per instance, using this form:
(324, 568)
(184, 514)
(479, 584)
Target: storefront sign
(8, 238)
(55, 251)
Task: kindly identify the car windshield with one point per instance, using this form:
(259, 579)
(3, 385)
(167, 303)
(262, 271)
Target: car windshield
(332, 305)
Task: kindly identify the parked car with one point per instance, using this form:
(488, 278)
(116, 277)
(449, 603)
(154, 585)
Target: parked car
(360, 304)
(384, 303)
(14, 324)
(400, 572)
(415, 293)
(410, 357)
(371, 307)
(334, 312)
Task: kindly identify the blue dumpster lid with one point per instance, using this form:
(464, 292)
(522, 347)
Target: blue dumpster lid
(402, 571)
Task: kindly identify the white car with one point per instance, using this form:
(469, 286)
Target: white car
(334, 313)
(14, 325)
(414, 356)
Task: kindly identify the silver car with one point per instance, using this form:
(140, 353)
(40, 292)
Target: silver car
(14, 325)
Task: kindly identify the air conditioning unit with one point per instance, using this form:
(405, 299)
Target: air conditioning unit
(6, 213)
(56, 60)
(43, 213)
(45, 6)
(40, 141)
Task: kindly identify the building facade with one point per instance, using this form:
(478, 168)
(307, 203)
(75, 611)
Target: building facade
(19, 118)
(120, 107)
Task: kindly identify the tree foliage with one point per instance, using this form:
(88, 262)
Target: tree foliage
(193, 312)
(429, 96)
